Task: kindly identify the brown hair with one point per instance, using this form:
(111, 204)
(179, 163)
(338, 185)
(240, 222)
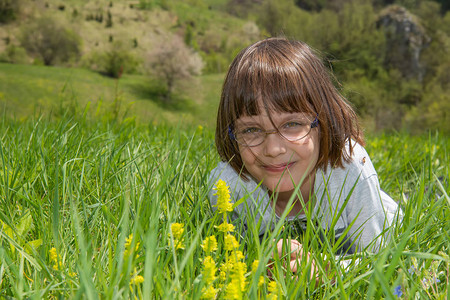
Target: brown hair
(285, 76)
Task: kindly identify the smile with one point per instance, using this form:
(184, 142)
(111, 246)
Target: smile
(277, 168)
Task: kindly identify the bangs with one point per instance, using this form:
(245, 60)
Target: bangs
(266, 79)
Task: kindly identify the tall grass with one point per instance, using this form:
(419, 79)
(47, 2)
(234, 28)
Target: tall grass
(104, 196)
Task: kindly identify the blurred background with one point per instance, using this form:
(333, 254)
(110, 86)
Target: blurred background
(165, 60)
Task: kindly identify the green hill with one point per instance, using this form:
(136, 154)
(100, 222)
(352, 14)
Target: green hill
(27, 90)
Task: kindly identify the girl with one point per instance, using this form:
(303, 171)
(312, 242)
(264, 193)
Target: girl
(289, 141)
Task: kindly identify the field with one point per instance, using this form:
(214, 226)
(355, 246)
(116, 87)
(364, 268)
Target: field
(113, 209)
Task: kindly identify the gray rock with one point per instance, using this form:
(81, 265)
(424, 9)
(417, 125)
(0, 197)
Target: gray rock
(405, 40)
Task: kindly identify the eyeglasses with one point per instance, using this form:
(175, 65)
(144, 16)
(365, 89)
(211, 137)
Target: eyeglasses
(293, 130)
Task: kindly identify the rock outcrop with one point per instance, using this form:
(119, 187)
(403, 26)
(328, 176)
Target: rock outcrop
(405, 40)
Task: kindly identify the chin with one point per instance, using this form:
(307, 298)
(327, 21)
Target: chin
(279, 187)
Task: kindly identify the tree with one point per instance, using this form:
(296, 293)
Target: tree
(50, 41)
(173, 61)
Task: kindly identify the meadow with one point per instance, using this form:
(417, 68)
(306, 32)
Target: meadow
(107, 209)
(104, 184)
(54, 91)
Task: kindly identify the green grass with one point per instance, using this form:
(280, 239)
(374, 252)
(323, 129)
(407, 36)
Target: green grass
(82, 186)
(53, 89)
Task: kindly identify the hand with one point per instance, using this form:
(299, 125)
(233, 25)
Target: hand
(295, 256)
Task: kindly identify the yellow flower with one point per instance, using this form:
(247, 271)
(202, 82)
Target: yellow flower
(233, 291)
(273, 290)
(53, 254)
(54, 257)
(236, 256)
(239, 274)
(209, 270)
(178, 244)
(177, 230)
(137, 279)
(209, 292)
(225, 227)
(209, 244)
(225, 269)
(128, 242)
(230, 242)
(236, 288)
(223, 197)
(255, 265)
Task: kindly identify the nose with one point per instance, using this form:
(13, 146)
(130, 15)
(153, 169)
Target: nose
(273, 144)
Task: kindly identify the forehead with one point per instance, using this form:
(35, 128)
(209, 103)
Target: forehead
(270, 109)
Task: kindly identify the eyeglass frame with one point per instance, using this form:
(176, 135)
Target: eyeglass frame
(314, 124)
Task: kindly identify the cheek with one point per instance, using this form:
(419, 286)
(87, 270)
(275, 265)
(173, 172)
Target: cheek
(247, 156)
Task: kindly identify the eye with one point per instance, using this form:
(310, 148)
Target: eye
(292, 124)
(250, 130)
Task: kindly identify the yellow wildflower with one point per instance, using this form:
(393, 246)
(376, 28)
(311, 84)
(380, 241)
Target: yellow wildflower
(255, 265)
(238, 274)
(177, 230)
(230, 242)
(209, 244)
(128, 242)
(137, 279)
(53, 254)
(209, 293)
(225, 269)
(236, 256)
(209, 270)
(233, 290)
(236, 288)
(274, 290)
(223, 197)
(225, 227)
(54, 257)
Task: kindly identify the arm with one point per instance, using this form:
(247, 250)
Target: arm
(373, 212)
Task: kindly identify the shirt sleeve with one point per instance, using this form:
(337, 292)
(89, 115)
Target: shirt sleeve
(372, 212)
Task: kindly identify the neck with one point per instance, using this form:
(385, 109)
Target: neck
(281, 199)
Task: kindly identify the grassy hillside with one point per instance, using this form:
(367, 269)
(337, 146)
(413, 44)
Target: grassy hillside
(27, 90)
(102, 23)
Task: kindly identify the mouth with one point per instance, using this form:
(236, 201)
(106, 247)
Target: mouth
(277, 168)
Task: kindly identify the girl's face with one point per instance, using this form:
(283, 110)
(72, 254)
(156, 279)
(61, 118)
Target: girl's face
(280, 164)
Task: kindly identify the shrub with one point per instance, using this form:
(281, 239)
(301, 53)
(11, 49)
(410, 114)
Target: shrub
(113, 62)
(117, 61)
(14, 54)
(172, 61)
(50, 41)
